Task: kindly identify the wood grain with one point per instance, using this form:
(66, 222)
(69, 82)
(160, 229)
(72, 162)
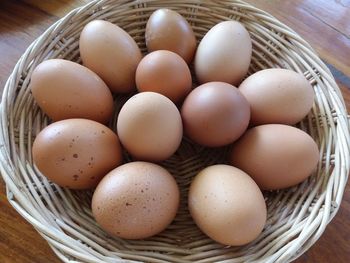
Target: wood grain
(324, 24)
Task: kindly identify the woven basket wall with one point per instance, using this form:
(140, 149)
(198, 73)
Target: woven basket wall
(296, 217)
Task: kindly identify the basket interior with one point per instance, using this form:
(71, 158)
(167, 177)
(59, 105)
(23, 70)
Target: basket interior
(295, 216)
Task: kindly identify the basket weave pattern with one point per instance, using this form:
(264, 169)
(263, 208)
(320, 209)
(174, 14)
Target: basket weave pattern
(296, 216)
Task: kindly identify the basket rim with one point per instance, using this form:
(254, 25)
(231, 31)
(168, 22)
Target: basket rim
(10, 163)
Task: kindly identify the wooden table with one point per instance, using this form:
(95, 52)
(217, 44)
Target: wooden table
(325, 24)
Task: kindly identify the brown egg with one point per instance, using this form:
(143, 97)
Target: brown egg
(277, 96)
(64, 90)
(224, 54)
(227, 205)
(168, 30)
(149, 126)
(136, 200)
(112, 53)
(76, 153)
(164, 72)
(215, 114)
(276, 156)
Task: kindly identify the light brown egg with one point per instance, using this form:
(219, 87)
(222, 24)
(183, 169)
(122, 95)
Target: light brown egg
(136, 200)
(224, 54)
(168, 30)
(227, 205)
(276, 156)
(164, 72)
(64, 90)
(277, 96)
(76, 153)
(112, 53)
(215, 114)
(149, 126)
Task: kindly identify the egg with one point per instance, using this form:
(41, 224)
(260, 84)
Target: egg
(227, 205)
(164, 72)
(149, 126)
(64, 89)
(223, 54)
(136, 200)
(168, 30)
(276, 156)
(76, 153)
(112, 53)
(277, 96)
(215, 114)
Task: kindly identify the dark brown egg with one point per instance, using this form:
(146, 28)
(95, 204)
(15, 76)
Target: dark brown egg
(215, 114)
(168, 30)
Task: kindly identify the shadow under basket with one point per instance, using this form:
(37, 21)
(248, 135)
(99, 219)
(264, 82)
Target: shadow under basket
(296, 216)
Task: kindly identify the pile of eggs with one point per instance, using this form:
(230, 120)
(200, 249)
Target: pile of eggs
(140, 199)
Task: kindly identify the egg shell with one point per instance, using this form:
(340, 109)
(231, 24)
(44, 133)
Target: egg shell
(164, 72)
(215, 114)
(76, 153)
(64, 90)
(136, 200)
(223, 54)
(227, 205)
(277, 96)
(168, 30)
(149, 126)
(112, 53)
(276, 156)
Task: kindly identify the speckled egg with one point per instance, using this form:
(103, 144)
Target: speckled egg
(76, 153)
(136, 200)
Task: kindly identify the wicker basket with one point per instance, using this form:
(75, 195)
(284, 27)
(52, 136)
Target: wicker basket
(296, 217)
